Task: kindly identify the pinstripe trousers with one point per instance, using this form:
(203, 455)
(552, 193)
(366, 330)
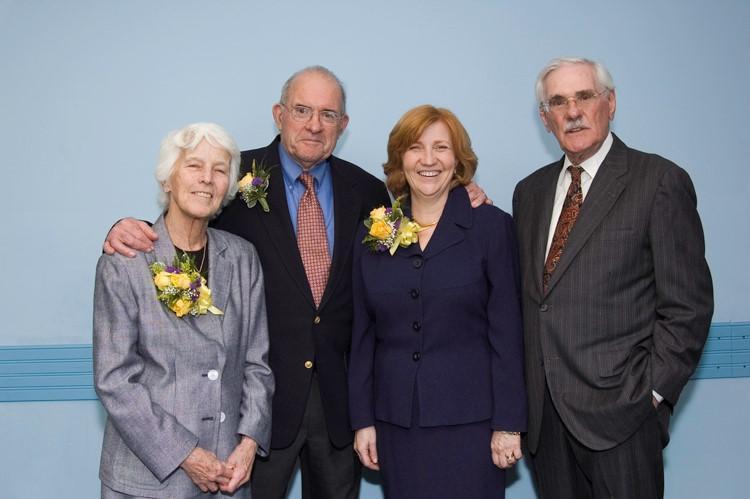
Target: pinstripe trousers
(566, 469)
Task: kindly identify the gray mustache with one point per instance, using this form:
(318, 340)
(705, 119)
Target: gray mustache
(577, 123)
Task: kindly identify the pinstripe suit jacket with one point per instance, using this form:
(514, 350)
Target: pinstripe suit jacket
(629, 305)
(168, 383)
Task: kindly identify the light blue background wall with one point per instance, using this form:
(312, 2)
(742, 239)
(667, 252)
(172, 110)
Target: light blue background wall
(88, 89)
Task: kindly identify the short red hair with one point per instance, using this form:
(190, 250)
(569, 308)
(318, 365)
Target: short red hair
(408, 130)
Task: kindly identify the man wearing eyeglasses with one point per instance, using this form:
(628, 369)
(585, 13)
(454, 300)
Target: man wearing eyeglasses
(617, 296)
(316, 204)
(304, 242)
(310, 320)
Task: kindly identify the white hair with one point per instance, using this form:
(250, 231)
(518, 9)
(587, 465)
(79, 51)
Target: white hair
(603, 78)
(321, 70)
(187, 139)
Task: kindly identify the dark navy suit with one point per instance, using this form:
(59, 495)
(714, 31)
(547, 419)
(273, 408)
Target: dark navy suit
(437, 343)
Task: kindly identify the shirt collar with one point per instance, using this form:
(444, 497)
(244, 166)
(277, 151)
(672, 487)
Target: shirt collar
(591, 165)
(292, 170)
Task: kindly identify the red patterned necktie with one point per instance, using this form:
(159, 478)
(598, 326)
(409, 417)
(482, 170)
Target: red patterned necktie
(568, 216)
(312, 240)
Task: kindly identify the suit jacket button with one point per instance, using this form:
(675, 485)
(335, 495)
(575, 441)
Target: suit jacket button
(308, 364)
(316, 320)
(416, 356)
(544, 307)
(414, 293)
(213, 374)
(222, 417)
(417, 262)
(416, 326)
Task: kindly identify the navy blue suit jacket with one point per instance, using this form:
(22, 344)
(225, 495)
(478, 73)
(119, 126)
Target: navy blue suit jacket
(446, 322)
(298, 331)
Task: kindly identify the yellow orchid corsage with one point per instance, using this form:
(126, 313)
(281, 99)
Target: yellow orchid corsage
(181, 287)
(388, 229)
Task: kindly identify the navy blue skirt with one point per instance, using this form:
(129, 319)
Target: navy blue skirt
(443, 462)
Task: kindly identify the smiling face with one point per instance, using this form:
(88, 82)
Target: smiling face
(198, 183)
(312, 141)
(430, 162)
(580, 127)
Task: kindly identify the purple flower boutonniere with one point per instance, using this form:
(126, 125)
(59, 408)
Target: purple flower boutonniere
(253, 186)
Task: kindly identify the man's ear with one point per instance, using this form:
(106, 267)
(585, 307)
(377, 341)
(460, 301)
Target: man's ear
(543, 117)
(276, 110)
(612, 99)
(343, 123)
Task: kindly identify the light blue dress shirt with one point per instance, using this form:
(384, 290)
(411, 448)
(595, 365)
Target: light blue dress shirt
(294, 190)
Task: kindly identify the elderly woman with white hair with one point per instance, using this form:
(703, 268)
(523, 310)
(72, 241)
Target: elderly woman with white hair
(180, 339)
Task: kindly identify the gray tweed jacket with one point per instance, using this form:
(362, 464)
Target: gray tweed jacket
(170, 384)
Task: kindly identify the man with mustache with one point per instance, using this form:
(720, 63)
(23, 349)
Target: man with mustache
(617, 296)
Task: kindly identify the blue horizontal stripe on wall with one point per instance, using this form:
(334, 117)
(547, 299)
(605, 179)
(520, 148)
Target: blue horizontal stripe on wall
(727, 352)
(46, 372)
(65, 372)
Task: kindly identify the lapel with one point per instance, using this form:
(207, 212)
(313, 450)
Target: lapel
(456, 216)
(346, 213)
(219, 282)
(163, 247)
(278, 224)
(209, 325)
(603, 193)
(542, 203)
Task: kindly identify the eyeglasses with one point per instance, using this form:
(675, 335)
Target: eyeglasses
(582, 99)
(304, 114)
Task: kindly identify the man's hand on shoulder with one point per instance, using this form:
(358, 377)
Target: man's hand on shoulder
(129, 236)
(477, 196)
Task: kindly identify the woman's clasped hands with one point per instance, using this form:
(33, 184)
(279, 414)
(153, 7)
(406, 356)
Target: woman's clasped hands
(211, 474)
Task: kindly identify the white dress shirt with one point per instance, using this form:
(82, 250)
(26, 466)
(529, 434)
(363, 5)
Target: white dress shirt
(590, 167)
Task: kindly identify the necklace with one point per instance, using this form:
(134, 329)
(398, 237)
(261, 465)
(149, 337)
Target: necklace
(203, 259)
(193, 254)
(425, 226)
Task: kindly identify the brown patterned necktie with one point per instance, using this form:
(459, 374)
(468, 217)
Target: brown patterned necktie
(312, 240)
(568, 216)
